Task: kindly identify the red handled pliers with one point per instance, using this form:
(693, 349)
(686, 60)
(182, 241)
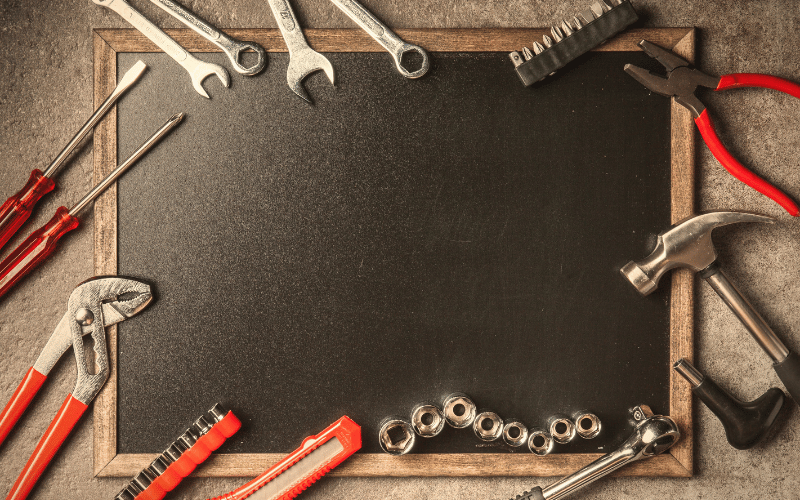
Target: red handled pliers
(93, 305)
(681, 83)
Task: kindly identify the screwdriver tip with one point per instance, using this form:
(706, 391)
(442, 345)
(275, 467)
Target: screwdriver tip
(176, 118)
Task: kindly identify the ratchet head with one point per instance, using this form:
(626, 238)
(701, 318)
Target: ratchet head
(301, 64)
(687, 244)
(653, 435)
(398, 60)
(202, 70)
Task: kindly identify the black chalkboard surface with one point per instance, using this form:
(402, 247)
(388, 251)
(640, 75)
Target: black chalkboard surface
(396, 241)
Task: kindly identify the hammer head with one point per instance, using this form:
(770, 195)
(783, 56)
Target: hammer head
(687, 244)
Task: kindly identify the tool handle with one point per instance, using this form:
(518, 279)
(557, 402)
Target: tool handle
(741, 80)
(35, 249)
(789, 372)
(16, 210)
(20, 400)
(738, 170)
(63, 423)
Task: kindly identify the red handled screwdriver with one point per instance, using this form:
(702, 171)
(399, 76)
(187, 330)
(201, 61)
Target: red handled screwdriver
(16, 210)
(42, 242)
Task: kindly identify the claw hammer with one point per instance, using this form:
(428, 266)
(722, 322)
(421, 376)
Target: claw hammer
(688, 244)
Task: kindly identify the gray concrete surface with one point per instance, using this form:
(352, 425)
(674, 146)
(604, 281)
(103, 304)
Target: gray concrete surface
(46, 94)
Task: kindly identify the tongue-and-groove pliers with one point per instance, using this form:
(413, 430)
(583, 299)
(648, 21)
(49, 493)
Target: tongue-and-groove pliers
(681, 83)
(93, 305)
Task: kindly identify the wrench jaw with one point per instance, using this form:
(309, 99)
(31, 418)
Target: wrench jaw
(303, 64)
(203, 70)
(398, 60)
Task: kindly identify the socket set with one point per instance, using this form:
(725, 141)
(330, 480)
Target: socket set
(182, 456)
(397, 435)
(571, 39)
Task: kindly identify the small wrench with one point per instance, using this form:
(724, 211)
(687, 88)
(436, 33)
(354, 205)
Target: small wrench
(198, 70)
(303, 60)
(384, 36)
(232, 48)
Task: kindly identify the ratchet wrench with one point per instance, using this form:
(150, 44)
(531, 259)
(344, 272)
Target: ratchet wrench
(384, 36)
(232, 48)
(198, 70)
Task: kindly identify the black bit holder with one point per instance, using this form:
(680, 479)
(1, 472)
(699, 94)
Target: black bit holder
(745, 423)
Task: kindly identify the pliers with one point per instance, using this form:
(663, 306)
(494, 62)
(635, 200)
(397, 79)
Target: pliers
(93, 305)
(681, 83)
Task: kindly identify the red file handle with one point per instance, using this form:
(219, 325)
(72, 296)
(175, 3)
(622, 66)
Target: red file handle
(66, 418)
(20, 400)
(740, 80)
(733, 166)
(35, 249)
(16, 210)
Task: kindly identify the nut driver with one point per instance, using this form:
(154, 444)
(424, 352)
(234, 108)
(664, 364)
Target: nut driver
(18, 208)
(92, 306)
(745, 424)
(682, 82)
(198, 70)
(42, 242)
(303, 60)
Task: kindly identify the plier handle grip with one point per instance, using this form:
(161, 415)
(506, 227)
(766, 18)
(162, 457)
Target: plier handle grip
(93, 305)
(681, 83)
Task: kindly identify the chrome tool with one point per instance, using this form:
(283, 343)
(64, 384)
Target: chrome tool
(488, 426)
(427, 420)
(396, 436)
(540, 442)
(587, 424)
(459, 410)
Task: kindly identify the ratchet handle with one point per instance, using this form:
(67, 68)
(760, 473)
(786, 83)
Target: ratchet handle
(738, 170)
(20, 400)
(741, 80)
(16, 210)
(788, 371)
(535, 494)
(35, 249)
(65, 420)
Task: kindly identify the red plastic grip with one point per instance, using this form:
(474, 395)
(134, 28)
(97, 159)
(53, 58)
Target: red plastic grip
(35, 249)
(345, 430)
(16, 210)
(200, 451)
(738, 170)
(19, 401)
(66, 418)
(740, 80)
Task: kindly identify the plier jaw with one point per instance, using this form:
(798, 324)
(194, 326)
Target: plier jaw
(681, 81)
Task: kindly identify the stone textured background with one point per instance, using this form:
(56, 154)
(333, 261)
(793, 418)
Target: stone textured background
(46, 94)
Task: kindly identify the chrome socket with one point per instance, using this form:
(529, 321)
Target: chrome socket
(427, 420)
(488, 426)
(515, 433)
(540, 442)
(587, 424)
(396, 436)
(459, 410)
(561, 428)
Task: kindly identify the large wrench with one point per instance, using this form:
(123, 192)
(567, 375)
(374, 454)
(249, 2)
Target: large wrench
(198, 70)
(653, 435)
(384, 36)
(303, 60)
(232, 48)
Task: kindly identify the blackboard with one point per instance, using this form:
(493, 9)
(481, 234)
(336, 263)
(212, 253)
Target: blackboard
(394, 242)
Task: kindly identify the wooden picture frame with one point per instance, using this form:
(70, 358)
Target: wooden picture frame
(678, 462)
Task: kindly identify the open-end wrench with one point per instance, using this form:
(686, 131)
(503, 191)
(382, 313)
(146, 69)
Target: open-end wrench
(198, 70)
(384, 36)
(303, 60)
(232, 48)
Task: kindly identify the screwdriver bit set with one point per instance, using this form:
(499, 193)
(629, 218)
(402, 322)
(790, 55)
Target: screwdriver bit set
(571, 39)
(182, 456)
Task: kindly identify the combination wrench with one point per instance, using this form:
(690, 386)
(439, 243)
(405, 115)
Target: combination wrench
(232, 48)
(384, 36)
(198, 70)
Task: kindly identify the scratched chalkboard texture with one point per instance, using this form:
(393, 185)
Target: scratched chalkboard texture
(394, 242)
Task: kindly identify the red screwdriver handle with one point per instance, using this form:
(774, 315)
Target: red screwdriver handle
(16, 210)
(738, 170)
(19, 401)
(66, 418)
(740, 80)
(35, 249)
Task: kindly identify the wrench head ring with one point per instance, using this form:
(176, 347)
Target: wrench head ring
(236, 54)
(398, 59)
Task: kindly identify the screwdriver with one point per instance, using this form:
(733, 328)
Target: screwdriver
(16, 210)
(42, 242)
